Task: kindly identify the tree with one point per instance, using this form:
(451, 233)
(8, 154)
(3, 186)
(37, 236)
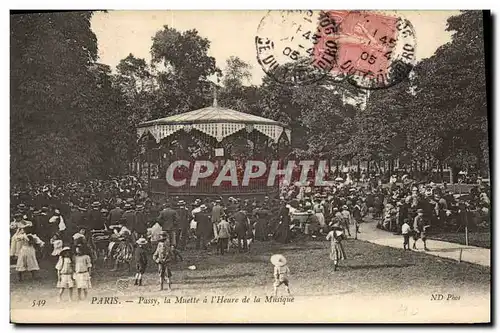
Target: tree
(138, 86)
(185, 69)
(50, 57)
(450, 109)
(236, 73)
(67, 118)
(234, 93)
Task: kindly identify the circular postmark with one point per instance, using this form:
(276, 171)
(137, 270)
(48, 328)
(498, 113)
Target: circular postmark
(373, 50)
(286, 46)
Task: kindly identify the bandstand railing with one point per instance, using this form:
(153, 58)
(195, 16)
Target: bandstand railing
(205, 187)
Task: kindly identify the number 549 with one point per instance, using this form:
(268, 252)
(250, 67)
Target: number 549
(40, 302)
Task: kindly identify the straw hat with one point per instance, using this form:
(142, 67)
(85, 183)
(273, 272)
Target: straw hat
(78, 235)
(142, 241)
(278, 260)
(338, 232)
(66, 248)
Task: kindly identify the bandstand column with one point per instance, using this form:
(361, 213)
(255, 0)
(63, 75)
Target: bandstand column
(148, 156)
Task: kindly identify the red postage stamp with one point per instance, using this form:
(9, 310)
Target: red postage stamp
(374, 50)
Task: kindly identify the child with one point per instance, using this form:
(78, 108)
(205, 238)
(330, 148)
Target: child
(419, 229)
(83, 267)
(141, 260)
(281, 273)
(57, 244)
(224, 229)
(26, 259)
(65, 272)
(405, 231)
(337, 252)
(163, 256)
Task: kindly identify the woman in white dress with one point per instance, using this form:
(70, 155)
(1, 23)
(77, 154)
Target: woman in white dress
(319, 211)
(26, 257)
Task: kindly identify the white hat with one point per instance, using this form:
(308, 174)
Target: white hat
(142, 241)
(278, 260)
(78, 235)
(66, 248)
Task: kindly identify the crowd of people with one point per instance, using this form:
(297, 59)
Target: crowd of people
(117, 221)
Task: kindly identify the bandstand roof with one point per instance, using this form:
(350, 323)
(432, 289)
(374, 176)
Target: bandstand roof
(215, 121)
(212, 114)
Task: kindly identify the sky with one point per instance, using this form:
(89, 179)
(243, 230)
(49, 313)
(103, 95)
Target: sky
(232, 33)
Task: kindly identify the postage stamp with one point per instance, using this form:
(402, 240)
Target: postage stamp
(372, 50)
(368, 49)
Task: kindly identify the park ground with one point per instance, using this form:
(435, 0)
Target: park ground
(374, 270)
(479, 239)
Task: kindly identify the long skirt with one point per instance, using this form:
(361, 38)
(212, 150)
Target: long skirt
(321, 219)
(26, 260)
(337, 252)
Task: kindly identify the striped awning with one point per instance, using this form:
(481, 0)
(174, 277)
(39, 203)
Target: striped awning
(214, 121)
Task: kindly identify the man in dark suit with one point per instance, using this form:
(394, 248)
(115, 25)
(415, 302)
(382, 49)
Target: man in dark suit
(203, 227)
(217, 212)
(241, 228)
(42, 224)
(129, 216)
(140, 226)
(115, 214)
(183, 231)
(95, 217)
(169, 220)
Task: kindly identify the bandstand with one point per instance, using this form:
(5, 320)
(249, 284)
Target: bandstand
(214, 134)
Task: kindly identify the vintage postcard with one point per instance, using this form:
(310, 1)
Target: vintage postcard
(295, 166)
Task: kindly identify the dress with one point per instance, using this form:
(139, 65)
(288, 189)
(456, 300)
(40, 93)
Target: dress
(65, 268)
(19, 237)
(337, 251)
(82, 275)
(318, 211)
(26, 256)
(58, 245)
